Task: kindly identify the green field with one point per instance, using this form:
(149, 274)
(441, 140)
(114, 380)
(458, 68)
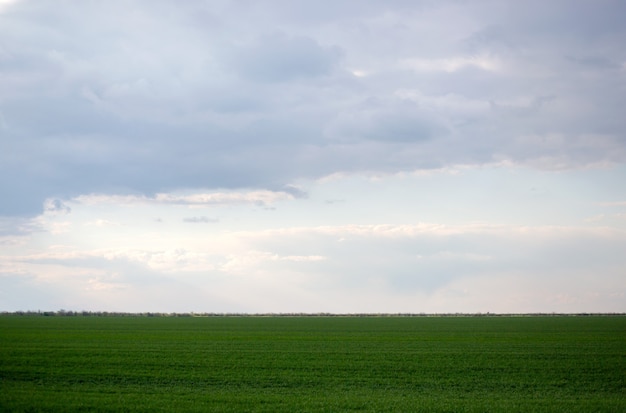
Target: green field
(314, 364)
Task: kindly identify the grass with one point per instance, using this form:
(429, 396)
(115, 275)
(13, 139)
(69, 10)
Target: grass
(313, 364)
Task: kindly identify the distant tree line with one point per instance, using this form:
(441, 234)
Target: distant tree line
(70, 313)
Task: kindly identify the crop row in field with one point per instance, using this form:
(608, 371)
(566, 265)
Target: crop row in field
(313, 364)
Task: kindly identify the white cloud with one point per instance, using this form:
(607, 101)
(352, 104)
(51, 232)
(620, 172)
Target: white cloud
(374, 268)
(251, 262)
(613, 204)
(102, 223)
(6, 3)
(453, 64)
(433, 229)
(200, 220)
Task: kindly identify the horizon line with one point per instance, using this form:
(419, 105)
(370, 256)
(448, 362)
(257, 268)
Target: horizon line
(85, 313)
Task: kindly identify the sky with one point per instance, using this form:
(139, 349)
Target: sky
(296, 156)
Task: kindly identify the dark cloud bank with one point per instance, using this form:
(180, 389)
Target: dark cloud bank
(142, 97)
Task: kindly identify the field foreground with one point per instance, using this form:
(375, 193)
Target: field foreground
(313, 364)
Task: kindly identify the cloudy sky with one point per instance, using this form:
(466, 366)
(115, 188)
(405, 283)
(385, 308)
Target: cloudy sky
(301, 156)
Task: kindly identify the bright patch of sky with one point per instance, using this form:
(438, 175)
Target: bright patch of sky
(279, 156)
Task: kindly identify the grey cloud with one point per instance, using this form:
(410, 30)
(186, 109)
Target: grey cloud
(278, 57)
(493, 38)
(313, 14)
(391, 120)
(595, 62)
(56, 207)
(262, 95)
(579, 20)
(294, 191)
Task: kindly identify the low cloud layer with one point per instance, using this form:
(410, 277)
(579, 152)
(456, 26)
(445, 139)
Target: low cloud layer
(430, 268)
